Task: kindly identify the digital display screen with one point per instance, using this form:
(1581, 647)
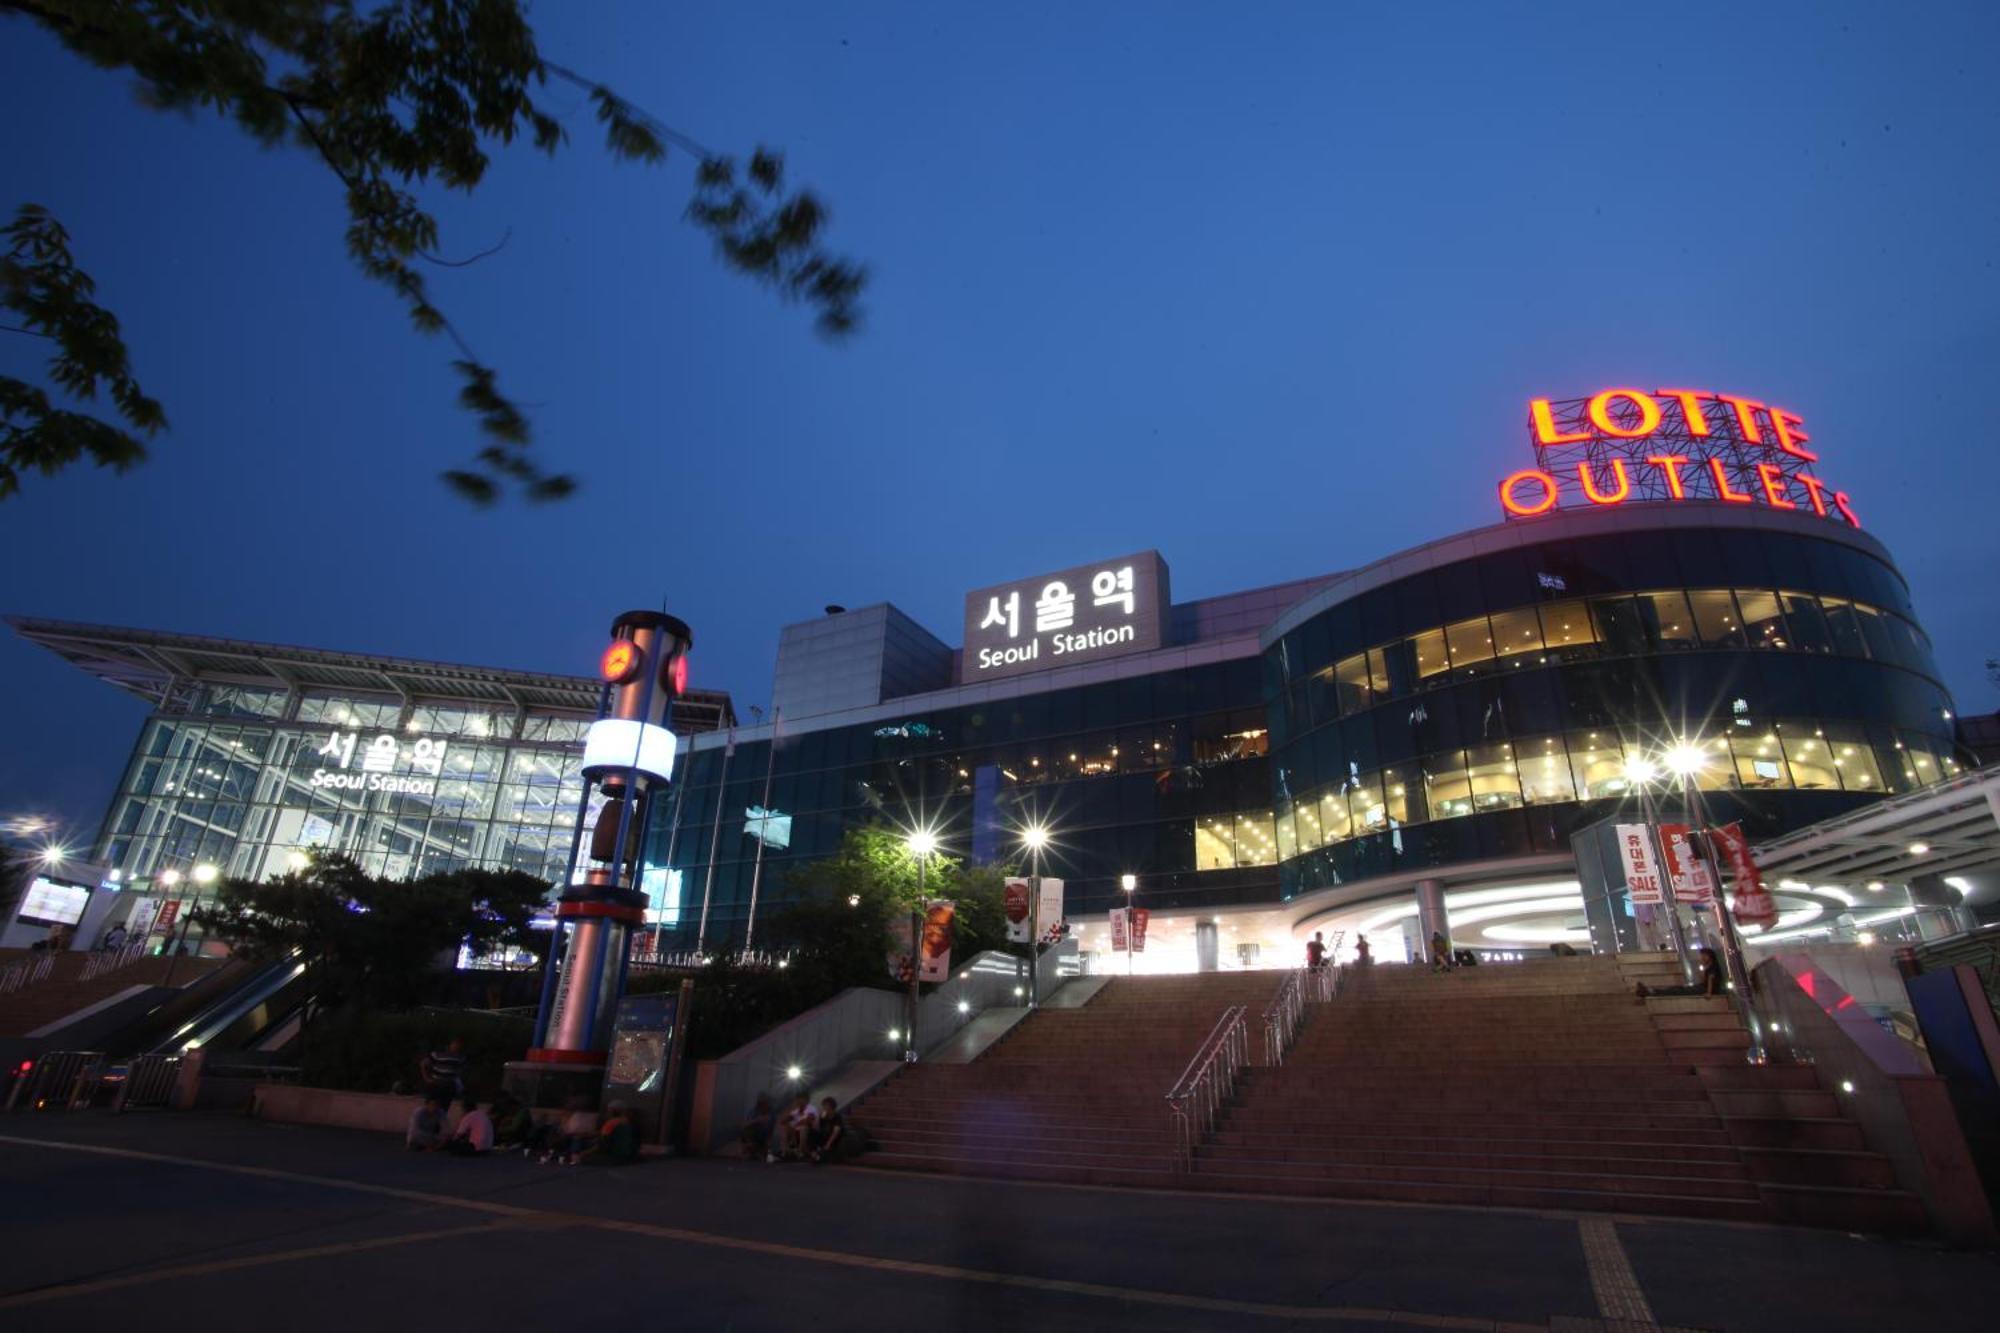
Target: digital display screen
(61, 904)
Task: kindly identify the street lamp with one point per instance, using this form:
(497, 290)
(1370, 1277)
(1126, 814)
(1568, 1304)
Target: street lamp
(1035, 837)
(52, 856)
(921, 844)
(1129, 883)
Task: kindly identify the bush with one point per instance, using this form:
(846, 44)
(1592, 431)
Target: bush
(365, 1050)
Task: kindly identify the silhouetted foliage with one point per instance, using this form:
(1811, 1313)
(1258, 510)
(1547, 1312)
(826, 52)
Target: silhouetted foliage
(390, 97)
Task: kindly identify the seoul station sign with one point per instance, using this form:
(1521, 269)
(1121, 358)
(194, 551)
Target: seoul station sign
(1067, 618)
(1624, 446)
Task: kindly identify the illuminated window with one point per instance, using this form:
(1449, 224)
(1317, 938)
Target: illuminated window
(1350, 683)
(1668, 619)
(1430, 654)
(1288, 842)
(1450, 785)
(1597, 764)
(1763, 622)
(1306, 822)
(1495, 784)
(1715, 618)
(1568, 631)
(1517, 636)
(1471, 644)
(1545, 772)
(1810, 632)
(1256, 839)
(1810, 758)
(1854, 757)
(1334, 820)
(1759, 760)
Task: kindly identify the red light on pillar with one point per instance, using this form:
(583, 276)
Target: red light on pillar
(621, 662)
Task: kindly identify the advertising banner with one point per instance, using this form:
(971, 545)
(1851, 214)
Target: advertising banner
(163, 924)
(1119, 939)
(1015, 905)
(1642, 871)
(1751, 901)
(1049, 916)
(1693, 881)
(934, 961)
(899, 948)
(1140, 916)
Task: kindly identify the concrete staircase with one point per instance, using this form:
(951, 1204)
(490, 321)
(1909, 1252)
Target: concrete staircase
(1548, 1084)
(1076, 1094)
(64, 992)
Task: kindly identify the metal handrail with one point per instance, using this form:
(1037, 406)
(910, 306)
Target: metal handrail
(1281, 1018)
(1208, 1081)
(27, 973)
(112, 960)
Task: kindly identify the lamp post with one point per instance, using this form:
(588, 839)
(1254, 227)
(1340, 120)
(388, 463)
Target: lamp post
(1129, 883)
(921, 844)
(203, 875)
(1036, 836)
(1685, 760)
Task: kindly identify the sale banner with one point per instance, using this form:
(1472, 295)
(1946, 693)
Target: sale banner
(1751, 901)
(1049, 916)
(1642, 871)
(163, 924)
(934, 955)
(1120, 936)
(1015, 905)
(1693, 881)
(1140, 916)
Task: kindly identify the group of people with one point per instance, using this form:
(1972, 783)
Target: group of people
(801, 1132)
(506, 1125)
(1316, 951)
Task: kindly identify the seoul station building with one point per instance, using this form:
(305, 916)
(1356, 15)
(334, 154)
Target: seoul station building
(1674, 570)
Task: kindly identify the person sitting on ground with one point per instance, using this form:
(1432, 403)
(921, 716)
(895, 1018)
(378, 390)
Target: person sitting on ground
(474, 1135)
(1440, 952)
(1464, 958)
(1316, 951)
(444, 1071)
(1563, 949)
(513, 1123)
(578, 1133)
(834, 1141)
(796, 1127)
(426, 1131)
(755, 1137)
(617, 1138)
(1363, 955)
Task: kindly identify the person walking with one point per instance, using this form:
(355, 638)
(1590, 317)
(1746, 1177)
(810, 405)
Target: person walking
(1316, 951)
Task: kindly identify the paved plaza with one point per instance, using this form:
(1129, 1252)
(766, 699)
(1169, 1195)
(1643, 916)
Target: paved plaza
(247, 1225)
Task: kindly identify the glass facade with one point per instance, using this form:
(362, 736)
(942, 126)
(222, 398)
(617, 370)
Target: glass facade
(1485, 708)
(1164, 776)
(248, 779)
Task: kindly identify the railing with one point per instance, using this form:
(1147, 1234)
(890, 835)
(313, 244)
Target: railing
(1207, 1082)
(149, 1081)
(110, 960)
(55, 1080)
(1307, 985)
(27, 973)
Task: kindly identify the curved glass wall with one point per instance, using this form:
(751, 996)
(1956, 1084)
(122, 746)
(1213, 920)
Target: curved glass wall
(1480, 709)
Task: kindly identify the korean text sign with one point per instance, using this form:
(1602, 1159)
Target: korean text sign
(1103, 609)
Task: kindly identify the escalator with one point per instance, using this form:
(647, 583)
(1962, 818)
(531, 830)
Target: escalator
(252, 1022)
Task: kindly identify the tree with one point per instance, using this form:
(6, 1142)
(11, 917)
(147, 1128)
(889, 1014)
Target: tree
(390, 97)
(369, 941)
(837, 928)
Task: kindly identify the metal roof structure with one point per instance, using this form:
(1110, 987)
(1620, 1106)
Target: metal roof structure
(1956, 825)
(154, 664)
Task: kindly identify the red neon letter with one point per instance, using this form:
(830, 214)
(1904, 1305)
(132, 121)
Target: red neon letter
(1545, 425)
(1774, 486)
(1520, 510)
(1590, 485)
(1791, 436)
(1722, 491)
(1813, 487)
(1746, 415)
(1649, 413)
(1846, 510)
(1671, 465)
(1690, 402)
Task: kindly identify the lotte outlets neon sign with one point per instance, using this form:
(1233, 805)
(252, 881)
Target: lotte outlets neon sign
(1628, 445)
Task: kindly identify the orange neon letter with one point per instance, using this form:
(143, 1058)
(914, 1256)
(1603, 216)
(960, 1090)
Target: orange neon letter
(1846, 509)
(1545, 425)
(1774, 486)
(1671, 465)
(1746, 415)
(1722, 489)
(1690, 402)
(1792, 435)
(1813, 487)
(1515, 507)
(1649, 413)
(1590, 484)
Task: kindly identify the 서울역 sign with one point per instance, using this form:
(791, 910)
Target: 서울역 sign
(1630, 445)
(380, 760)
(1073, 616)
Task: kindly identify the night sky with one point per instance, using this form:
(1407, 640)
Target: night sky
(1265, 287)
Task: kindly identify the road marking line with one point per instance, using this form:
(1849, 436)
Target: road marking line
(841, 1258)
(93, 1286)
(1619, 1296)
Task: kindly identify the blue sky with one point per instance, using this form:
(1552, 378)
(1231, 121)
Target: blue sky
(1263, 286)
